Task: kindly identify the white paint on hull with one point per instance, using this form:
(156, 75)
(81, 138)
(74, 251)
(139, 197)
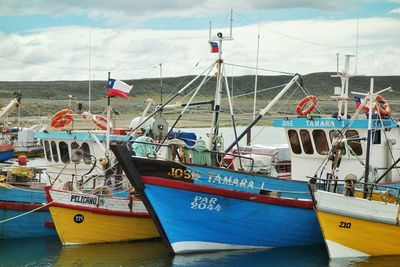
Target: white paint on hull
(197, 246)
(337, 250)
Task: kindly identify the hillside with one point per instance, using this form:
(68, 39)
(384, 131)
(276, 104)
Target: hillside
(43, 98)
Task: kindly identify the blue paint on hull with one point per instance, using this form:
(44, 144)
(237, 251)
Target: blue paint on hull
(6, 155)
(232, 221)
(247, 182)
(28, 226)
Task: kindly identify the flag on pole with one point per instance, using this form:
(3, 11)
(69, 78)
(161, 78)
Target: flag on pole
(358, 101)
(118, 88)
(214, 47)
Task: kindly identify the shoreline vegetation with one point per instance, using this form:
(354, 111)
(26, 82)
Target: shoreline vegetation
(41, 99)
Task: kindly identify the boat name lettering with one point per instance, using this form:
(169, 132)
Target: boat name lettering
(205, 203)
(179, 173)
(86, 200)
(344, 225)
(320, 123)
(286, 123)
(228, 180)
(380, 123)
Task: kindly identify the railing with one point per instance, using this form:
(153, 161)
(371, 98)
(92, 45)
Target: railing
(220, 156)
(349, 187)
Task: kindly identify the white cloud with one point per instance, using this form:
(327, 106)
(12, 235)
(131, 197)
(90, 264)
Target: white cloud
(128, 9)
(395, 11)
(131, 54)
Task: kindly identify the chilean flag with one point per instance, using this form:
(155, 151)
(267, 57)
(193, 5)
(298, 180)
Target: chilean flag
(118, 88)
(214, 47)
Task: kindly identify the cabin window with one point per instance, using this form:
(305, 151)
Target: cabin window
(376, 137)
(320, 141)
(336, 134)
(294, 141)
(354, 144)
(64, 151)
(54, 151)
(306, 141)
(47, 150)
(87, 158)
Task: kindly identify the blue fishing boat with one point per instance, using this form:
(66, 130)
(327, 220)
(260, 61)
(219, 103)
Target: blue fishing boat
(200, 204)
(23, 212)
(194, 217)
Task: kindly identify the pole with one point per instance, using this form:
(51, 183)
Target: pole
(161, 85)
(337, 63)
(90, 65)
(355, 71)
(255, 88)
(108, 119)
(366, 174)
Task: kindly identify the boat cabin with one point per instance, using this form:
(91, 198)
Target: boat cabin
(311, 139)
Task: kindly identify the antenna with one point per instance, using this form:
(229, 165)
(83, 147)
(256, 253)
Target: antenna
(337, 63)
(355, 69)
(230, 31)
(90, 64)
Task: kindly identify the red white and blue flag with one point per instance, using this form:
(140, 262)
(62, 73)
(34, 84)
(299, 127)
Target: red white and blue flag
(118, 88)
(358, 101)
(214, 47)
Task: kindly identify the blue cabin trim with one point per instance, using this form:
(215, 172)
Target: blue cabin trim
(332, 123)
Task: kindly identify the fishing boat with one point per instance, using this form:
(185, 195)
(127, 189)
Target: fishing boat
(212, 206)
(23, 212)
(100, 217)
(349, 215)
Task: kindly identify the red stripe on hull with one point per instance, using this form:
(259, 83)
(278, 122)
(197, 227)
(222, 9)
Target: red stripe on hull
(101, 211)
(305, 204)
(5, 205)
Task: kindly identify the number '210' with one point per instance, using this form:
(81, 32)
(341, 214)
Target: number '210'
(344, 225)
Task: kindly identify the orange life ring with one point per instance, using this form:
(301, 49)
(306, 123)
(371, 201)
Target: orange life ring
(303, 102)
(381, 106)
(4, 130)
(101, 122)
(62, 118)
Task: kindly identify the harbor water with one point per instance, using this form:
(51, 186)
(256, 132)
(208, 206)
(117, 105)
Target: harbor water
(50, 252)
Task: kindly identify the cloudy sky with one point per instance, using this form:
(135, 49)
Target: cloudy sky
(62, 40)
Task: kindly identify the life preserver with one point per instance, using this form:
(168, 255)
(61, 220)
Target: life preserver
(62, 118)
(101, 122)
(303, 102)
(4, 130)
(381, 106)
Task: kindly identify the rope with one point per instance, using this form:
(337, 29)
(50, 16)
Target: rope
(26, 213)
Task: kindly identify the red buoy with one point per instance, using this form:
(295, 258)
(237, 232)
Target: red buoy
(22, 160)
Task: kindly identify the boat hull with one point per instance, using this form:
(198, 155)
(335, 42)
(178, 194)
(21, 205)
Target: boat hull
(99, 228)
(349, 223)
(6, 152)
(222, 178)
(235, 215)
(199, 218)
(16, 203)
(84, 218)
(353, 242)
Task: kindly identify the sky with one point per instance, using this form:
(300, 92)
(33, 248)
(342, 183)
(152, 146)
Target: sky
(81, 40)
